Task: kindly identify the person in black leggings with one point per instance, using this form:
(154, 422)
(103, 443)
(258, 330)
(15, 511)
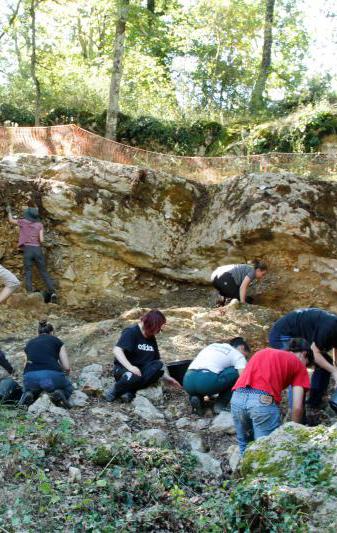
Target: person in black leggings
(232, 281)
(319, 328)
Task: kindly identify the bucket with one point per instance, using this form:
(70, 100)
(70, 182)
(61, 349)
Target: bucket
(177, 369)
(333, 401)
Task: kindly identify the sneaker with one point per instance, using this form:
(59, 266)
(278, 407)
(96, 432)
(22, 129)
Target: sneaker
(110, 395)
(53, 298)
(128, 397)
(196, 404)
(59, 398)
(26, 399)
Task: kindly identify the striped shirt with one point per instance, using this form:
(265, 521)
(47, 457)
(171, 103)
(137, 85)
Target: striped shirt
(238, 272)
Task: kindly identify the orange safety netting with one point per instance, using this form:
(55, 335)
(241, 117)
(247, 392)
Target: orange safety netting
(70, 140)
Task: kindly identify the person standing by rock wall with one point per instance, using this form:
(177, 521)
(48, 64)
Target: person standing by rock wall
(137, 358)
(11, 283)
(319, 329)
(257, 392)
(31, 237)
(232, 281)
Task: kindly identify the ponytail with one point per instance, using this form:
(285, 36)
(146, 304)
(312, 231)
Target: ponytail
(44, 327)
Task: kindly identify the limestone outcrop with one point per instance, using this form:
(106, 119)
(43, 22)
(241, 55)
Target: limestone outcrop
(300, 464)
(117, 231)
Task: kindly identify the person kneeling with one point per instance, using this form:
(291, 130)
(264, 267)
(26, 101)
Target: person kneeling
(214, 371)
(257, 393)
(47, 363)
(10, 390)
(137, 358)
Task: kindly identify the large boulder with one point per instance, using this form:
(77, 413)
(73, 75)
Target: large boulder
(109, 221)
(301, 463)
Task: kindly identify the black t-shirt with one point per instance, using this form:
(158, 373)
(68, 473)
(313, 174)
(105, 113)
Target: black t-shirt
(139, 350)
(312, 324)
(43, 353)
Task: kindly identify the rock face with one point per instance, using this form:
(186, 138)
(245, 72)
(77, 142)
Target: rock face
(301, 463)
(106, 223)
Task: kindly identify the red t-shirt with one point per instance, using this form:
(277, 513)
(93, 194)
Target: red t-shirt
(271, 371)
(29, 232)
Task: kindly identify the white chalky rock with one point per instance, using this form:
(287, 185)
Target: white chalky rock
(183, 422)
(234, 456)
(223, 423)
(208, 464)
(44, 405)
(157, 436)
(90, 379)
(78, 399)
(193, 442)
(154, 394)
(74, 474)
(146, 410)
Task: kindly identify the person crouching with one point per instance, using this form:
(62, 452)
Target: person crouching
(137, 359)
(46, 366)
(257, 392)
(214, 371)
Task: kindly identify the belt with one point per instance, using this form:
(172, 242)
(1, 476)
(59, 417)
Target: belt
(264, 397)
(251, 390)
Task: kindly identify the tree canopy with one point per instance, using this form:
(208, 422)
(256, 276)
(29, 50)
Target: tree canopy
(182, 60)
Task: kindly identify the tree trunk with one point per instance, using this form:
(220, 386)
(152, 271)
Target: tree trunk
(36, 81)
(151, 5)
(117, 70)
(256, 101)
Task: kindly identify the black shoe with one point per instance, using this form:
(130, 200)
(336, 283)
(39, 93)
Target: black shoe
(26, 399)
(59, 398)
(196, 404)
(128, 397)
(110, 395)
(53, 298)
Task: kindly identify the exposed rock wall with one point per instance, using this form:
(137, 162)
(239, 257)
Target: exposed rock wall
(107, 224)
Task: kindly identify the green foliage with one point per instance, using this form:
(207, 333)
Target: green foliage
(301, 131)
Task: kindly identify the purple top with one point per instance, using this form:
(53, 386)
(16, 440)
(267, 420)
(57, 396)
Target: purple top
(29, 232)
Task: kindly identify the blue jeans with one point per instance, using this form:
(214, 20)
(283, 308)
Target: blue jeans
(252, 418)
(47, 380)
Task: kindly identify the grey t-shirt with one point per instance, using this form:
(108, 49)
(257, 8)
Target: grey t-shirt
(238, 272)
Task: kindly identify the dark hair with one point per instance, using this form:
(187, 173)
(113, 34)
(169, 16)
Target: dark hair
(45, 327)
(261, 265)
(152, 322)
(301, 345)
(239, 341)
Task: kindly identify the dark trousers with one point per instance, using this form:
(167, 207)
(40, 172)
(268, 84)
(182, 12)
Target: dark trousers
(128, 382)
(205, 383)
(320, 378)
(34, 254)
(48, 381)
(226, 286)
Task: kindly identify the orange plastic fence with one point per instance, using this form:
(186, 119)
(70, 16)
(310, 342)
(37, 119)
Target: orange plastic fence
(71, 140)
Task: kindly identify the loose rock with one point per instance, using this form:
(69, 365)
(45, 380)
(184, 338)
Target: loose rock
(223, 423)
(146, 410)
(207, 464)
(158, 436)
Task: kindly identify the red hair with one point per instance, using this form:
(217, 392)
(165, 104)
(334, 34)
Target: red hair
(152, 322)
